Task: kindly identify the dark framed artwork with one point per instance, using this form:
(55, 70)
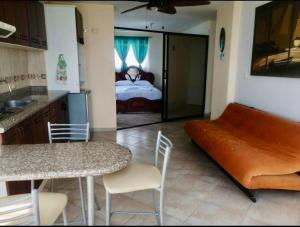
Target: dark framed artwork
(276, 42)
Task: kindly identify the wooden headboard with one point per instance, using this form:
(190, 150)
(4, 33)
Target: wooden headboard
(144, 75)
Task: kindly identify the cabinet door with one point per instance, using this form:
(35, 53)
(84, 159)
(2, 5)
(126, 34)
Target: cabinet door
(9, 17)
(33, 24)
(27, 135)
(41, 25)
(79, 26)
(12, 136)
(37, 26)
(1, 11)
(54, 113)
(22, 23)
(39, 129)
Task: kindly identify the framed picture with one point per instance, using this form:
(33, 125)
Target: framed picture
(276, 42)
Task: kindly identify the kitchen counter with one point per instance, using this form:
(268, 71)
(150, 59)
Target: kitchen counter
(61, 160)
(41, 98)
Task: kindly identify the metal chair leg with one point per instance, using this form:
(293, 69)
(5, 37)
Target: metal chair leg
(64, 214)
(32, 184)
(155, 208)
(82, 201)
(52, 185)
(97, 203)
(161, 208)
(108, 208)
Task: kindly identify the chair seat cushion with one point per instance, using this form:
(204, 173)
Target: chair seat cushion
(51, 206)
(134, 177)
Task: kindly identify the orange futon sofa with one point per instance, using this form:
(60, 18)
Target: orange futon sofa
(258, 149)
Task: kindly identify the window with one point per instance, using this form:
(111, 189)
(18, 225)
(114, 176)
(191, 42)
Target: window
(130, 58)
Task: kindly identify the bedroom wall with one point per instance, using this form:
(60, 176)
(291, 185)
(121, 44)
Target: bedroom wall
(156, 58)
(98, 21)
(155, 55)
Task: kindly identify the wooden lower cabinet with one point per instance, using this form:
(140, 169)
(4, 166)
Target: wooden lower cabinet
(33, 130)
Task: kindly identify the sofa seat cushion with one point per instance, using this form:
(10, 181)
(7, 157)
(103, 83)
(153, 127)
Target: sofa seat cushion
(241, 155)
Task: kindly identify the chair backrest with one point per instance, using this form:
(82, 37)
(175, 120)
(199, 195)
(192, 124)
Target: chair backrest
(21, 210)
(68, 132)
(163, 147)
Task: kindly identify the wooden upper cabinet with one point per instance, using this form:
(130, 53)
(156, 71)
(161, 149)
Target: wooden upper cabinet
(37, 25)
(79, 26)
(29, 19)
(1, 11)
(21, 23)
(33, 24)
(9, 17)
(41, 25)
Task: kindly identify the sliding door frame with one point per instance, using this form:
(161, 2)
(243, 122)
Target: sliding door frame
(165, 73)
(165, 98)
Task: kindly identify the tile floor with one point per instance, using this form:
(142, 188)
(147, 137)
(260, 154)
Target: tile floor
(197, 193)
(125, 120)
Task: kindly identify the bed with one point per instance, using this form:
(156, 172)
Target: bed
(135, 92)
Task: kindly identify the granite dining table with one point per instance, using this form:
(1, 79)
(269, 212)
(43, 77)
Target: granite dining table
(63, 160)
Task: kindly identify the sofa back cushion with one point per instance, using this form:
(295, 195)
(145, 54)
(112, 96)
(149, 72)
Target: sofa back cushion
(262, 125)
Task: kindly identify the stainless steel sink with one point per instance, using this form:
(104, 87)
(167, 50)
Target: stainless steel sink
(17, 103)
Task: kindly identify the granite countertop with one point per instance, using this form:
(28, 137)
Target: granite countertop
(61, 160)
(41, 98)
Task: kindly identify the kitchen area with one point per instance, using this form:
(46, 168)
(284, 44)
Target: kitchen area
(41, 73)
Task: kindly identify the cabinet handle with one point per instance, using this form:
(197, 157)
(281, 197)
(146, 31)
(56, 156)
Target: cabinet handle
(20, 131)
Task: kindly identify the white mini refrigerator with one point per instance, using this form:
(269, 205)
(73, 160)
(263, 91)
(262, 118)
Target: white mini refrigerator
(79, 107)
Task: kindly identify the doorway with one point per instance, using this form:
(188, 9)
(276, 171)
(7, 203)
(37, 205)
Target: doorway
(185, 69)
(178, 63)
(139, 76)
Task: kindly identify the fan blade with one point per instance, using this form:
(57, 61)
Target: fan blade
(181, 3)
(135, 8)
(169, 9)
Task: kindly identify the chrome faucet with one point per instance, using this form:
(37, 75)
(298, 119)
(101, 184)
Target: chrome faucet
(8, 85)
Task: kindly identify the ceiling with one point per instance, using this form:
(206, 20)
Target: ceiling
(185, 18)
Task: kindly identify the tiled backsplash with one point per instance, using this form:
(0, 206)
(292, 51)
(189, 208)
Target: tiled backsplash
(22, 68)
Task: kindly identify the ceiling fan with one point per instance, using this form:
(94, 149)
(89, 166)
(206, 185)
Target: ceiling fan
(167, 6)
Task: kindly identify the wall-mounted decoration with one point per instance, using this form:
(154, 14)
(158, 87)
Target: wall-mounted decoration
(276, 46)
(61, 72)
(222, 43)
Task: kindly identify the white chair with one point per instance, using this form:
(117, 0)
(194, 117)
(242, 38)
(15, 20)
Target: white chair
(137, 177)
(33, 209)
(71, 132)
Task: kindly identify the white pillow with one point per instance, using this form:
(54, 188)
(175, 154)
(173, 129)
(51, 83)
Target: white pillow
(143, 83)
(124, 83)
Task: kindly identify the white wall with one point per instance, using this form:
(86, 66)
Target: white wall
(203, 28)
(61, 38)
(207, 28)
(273, 94)
(155, 55)
(232, 79)
(224, 74)
(98, 21)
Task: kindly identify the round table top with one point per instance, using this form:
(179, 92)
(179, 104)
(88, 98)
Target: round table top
(61, 160)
